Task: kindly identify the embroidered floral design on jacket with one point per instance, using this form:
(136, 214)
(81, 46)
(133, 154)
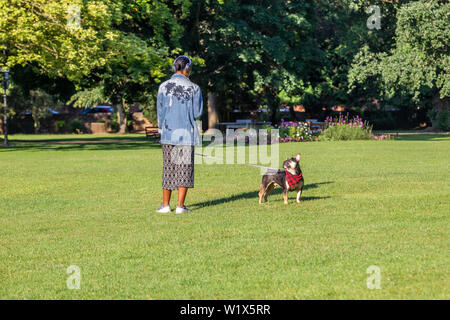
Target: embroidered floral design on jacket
(181, 92)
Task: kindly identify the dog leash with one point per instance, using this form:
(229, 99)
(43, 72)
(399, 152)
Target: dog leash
(245, 164)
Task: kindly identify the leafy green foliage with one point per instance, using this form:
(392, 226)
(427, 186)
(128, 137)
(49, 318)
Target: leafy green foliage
(253, 50)
(419, 63)
(37, 31)
(421, 56)
(76, 126)
(443, 120)
(89, 97)
(249, 54)
(40, 102)
(60, 125)
(138, 57)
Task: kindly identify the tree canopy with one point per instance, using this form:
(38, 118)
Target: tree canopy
(247, 54)
(419, 61)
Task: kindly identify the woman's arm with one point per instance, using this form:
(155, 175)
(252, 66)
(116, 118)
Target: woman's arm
(160, 110)
(198, 103)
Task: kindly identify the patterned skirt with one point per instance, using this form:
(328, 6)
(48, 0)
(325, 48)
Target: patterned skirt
(178, 166)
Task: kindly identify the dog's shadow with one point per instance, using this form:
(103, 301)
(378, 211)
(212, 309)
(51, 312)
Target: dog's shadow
(254, 195)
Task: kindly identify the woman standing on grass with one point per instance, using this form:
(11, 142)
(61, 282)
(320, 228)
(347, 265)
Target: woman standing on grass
(179, 103)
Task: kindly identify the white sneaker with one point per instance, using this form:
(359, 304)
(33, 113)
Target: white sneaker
(183, 209)
(164, 209)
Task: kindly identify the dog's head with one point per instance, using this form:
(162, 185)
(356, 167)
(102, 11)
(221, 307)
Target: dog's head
(293, 165)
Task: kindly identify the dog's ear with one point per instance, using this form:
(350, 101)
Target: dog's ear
(298, 157)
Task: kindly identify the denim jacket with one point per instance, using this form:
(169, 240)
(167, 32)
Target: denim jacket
(179, 103)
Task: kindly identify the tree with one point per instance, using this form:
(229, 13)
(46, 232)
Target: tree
(40, 102)
(35, 102)
(128, 77)
(50, 36)
(341, 31)
(252, 50)
(138, 58)
(118, 47)
(419, 61)
(63, 37)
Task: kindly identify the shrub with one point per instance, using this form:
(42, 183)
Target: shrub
(443, 120)
(440, 119)
(150, 113)
(341, 128)
(114, 123)
(382, 120)
(76, 126)
(60, 125)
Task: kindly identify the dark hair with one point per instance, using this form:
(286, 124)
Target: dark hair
(181, 62)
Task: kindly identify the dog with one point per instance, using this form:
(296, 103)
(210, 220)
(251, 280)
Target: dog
(289, 179)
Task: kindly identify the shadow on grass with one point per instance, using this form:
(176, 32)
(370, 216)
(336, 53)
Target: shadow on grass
(422, 137)
(91, 146)
(68, 138)
(312, 185)
(254, 195)
(89, 143)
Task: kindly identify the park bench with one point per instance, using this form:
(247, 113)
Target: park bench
(242, 123)
(151, 133)
(315, 124)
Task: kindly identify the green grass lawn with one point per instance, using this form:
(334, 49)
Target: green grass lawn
(383, 203)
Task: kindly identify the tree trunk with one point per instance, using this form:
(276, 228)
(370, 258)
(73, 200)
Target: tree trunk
(292, 113)
(213, 110)
(121, 117)
(274, 104)
(37, 125)
(439, 105)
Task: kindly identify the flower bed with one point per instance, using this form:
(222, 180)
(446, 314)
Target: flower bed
(344, 128)
(297, 131)
(339, 128)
